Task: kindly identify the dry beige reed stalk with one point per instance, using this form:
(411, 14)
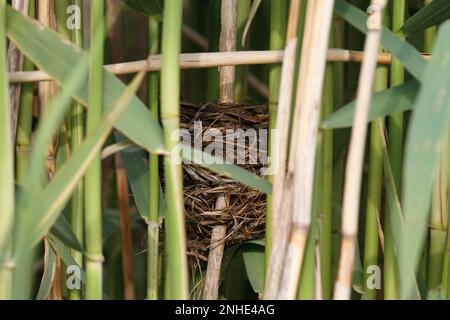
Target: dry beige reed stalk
(15, 63)
(353, 174)
(281, 218)
(304, 138)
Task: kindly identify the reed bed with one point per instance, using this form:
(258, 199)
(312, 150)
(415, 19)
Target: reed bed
(113, 186)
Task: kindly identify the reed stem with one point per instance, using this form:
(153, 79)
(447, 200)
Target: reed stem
(76, 138)
(153, 214)
(213, 46)
(396, 159)
(93, 206)
(240, 88)
(6, 168)
(278, 25)
(343, 285)
(25, 117)
(170, 115)
(325, 214)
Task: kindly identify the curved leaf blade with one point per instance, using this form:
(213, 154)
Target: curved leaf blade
(428, 126)
(409, 57)
(432, 14)
(396, 99)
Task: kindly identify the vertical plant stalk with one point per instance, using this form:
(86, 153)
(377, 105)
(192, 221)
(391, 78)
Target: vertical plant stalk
(25, 117)
(213, 46)
(278, 236)
(396, 159)
(153, 214)
(326, 212)
(15, 63)
(304, 137)
(240, 87)
(373, 205)
(374, 190)
(343, 285)
(212, 279)
(125, 229)
(6, 169)
(278, 25)
(228, 42)
(47, 91)
(93, 207)
(446, 264)
(170, 115)
(76, 138)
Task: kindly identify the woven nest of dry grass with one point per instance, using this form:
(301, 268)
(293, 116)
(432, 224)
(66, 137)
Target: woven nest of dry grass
(244, 215)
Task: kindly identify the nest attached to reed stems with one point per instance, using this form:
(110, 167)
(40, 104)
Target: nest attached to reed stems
(244, 215)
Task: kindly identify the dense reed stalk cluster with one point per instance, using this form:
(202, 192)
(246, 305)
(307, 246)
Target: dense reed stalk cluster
(102, 197)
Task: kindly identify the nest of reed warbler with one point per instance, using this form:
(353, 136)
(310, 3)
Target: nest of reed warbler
(244, 215)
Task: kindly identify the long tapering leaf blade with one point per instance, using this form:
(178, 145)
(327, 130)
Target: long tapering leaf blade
(428, 127)
(434, 13)
(396, 99)
(56, 56)
(402, 50)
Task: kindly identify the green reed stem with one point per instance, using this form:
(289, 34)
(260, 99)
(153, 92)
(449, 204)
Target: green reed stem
(153, 214)
(213, 37)
(374, 192)
(6, 168)
(76, 138)
(445, 158)
(240, 87)
(170, 115)
(278, 24)
(25, 117)
(93, 206)
(395, 148)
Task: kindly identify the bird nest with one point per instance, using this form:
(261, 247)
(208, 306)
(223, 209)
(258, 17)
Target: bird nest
(240, 129)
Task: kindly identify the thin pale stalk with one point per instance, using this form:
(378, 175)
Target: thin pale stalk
(153, 214)
(278, 25)
(209, 60)
(325, 215)
(6, 169)
(279, 156)
(15, 63)
(303, 151)
(93, 206)
(170, 114)
(343, 285)
(228, 42)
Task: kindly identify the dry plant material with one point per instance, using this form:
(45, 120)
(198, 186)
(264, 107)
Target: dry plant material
(212, 279)
(244, 215)
(15, 63)
(208, 60)
(282, 218)
(353, 173)
(125, 229)
(304, 141)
